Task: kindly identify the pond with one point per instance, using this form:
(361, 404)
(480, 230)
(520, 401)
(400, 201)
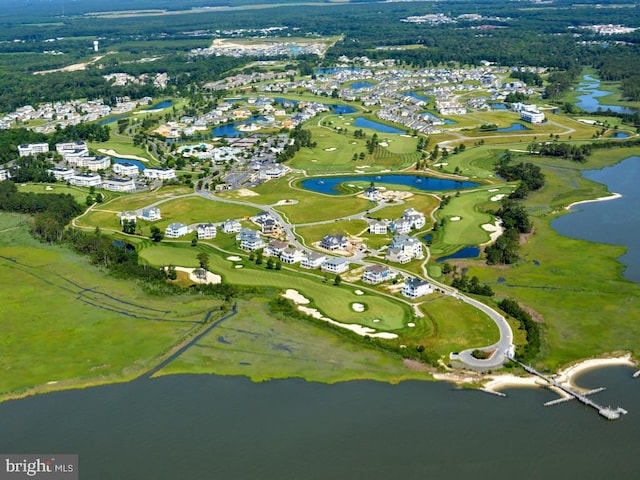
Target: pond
(359, 85)
(620, 135)
(514, 127)
(416, 95)
(341, 109)
(589, 102)
(498, 106)
(328, 185)
(466, 252)
(160, 106)
(107, 121)
(231, 130)
(380, 127)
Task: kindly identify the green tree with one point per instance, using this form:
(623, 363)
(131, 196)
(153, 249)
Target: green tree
(337, 281)
(156, 234)
(203, 260)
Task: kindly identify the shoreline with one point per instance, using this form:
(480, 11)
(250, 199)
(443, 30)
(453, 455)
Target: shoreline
(492, 384)
(613, 196)
(566, 375)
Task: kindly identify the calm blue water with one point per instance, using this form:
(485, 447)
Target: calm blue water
(380, 127)
(342, 109)
(331, 71)
(498, 106)
(620, 135)
(446, 120)
(589, 100)
(138, 164)
(614, 221)
(329, 184)
(161, 105)
(515, 127)
(107, 121)
(230, 130)
(359, 85)
(209, 427)
(427, 238)
(416, 96)
(283, 101)
(466, 252)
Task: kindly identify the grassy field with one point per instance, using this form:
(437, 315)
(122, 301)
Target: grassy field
(78, 193)
(85, 327)
(575, 287)
(257, 344)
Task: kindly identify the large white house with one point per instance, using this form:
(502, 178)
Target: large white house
(231, 226)
(334, 242)
(150, 214)
(291, 255)
(335, 265)
(403, 249)
(250, 239)
(175, 230)
(275, 248)
(159, 173)
(119, 185)
(375, 274)
(85, 180)
(62, 174)
(312, 260)
(125, 169)
(25, 150)
(206, 231)
(378, 227)
(415, 287)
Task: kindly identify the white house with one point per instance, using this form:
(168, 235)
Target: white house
(275, 248)
(151, 214)
(231, 226)
(291, 255)
(159, 173)
(61, 174)
(93, 163)
(125, 169)
(85, 180)
(66, 147)
(250, 239)
(378, 228)
(400, 226)
(25, 150)
(334, 242)
(415, 287)
(373, 194)
(129, 216)
(119, 185)
(206, 231)
(175, 230)
(532, 115)
(312, 260)
(403, 249)
(4, 174)
(415, 217)
(335, 265)
(375, 274)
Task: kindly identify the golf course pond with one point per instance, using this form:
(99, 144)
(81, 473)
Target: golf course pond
(329, 185)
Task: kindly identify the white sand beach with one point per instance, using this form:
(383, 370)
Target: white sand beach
(613, 196)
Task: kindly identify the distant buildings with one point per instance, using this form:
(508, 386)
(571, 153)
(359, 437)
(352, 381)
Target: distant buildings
(32, 149)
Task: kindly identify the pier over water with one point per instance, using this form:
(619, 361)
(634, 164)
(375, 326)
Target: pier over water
(607, 412)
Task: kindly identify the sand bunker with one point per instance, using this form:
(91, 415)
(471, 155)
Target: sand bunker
(208, 278)
(498, 197)
(239, 266)
(383, 144)
(357, 307)
(411, 324)
(331, 149)
(359, 292)
(455, 219)
(494, 229)
(493, 190)
(245, 192)
(234, 258)
(113, 153)
(296, 297)
(376, 320)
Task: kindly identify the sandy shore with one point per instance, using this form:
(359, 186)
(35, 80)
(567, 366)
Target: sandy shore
(113, 153)
(613, 196)
(565, 376)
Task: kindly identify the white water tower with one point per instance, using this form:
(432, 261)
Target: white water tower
(95, 45)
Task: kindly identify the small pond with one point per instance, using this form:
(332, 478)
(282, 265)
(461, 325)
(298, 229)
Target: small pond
(329, 185)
